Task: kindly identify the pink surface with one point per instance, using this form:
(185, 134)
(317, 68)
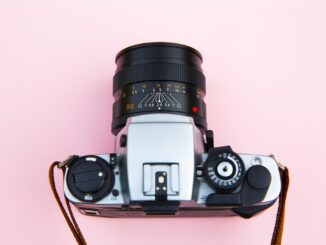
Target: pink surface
(265, 67)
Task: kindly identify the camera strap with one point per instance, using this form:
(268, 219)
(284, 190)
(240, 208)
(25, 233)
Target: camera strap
(71, 221)
(280, 216)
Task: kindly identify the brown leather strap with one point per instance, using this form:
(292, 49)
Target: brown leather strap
(279, 223)
(71, 221)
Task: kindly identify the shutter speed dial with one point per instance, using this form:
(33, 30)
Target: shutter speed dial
(224, 169)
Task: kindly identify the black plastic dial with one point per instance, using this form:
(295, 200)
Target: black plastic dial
(90, 178)
(224, 169)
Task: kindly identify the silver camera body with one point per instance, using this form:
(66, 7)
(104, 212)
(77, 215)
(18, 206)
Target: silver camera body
(165, 161)
(165, 165)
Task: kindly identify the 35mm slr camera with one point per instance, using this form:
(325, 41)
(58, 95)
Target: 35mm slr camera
(165, 161)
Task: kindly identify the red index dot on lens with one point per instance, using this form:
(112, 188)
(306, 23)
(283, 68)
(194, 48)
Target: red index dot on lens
(194, 109)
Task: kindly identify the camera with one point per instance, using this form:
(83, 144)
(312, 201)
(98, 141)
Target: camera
(165, 162)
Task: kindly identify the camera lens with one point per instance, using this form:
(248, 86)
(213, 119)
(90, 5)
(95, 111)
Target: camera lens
(158, 78)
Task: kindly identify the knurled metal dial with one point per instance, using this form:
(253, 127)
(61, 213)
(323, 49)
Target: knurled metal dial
(224, 169)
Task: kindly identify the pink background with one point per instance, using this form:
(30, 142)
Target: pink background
(265, 67)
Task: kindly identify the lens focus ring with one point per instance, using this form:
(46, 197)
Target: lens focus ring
(159, 72)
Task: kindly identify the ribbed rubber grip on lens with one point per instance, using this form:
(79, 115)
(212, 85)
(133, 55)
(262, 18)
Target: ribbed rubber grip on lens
(159, 72)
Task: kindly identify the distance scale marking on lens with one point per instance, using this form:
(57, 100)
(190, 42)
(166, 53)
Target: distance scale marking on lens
(160, 96)
(156, 86)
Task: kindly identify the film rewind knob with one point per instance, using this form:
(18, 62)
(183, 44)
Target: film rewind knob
(90, 178)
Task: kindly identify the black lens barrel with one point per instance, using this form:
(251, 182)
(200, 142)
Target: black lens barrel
(158, 61)
(158, 77)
